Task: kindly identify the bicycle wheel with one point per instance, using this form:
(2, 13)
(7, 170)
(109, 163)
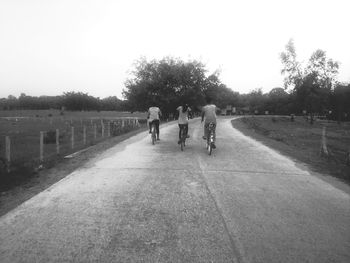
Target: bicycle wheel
(210, 148)
(210, 143)
(182, 138)
(153, 135)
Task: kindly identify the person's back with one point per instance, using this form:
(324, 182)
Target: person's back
(154, 114)
(184, 111)
(209, 112)
(183, 114)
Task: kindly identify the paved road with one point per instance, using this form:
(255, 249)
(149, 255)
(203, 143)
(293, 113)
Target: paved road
(144, 203)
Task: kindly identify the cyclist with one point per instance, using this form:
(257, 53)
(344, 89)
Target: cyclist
(209, 114)
(184, 112)
(153, 116)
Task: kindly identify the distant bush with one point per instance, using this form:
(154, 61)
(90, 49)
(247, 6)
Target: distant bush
(50, 137)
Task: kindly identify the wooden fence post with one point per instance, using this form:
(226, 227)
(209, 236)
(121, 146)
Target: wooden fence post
(8, 152)
(72, 137)
(324, 150)
(123, 124)
(41, 146)
(109, 129)
(95, 131)
(103, 129)
(84, 135)
(57, 141)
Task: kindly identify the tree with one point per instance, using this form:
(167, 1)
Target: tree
(256, 100)
(340, 105)
(219, 92)
(80, 101)
(277, 101)
(291, 67)
(111, 103)
(312, 85)
(168, 82)
(322, 69)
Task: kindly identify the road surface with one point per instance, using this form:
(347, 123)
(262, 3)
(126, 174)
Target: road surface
(144, 203)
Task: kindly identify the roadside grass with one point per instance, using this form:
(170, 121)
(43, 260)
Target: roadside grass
(24, 186)
(23, 128)
(302, 141)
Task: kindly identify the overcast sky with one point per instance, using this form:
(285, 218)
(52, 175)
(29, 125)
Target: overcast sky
(48, 47)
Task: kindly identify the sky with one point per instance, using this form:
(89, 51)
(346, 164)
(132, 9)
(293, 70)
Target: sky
(48, 47)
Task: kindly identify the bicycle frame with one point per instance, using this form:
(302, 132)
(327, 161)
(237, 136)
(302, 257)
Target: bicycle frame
(153, 133)
(183, 138)
(210, 139)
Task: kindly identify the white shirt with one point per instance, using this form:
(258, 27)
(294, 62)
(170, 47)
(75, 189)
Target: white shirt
(153, 113)
(183, 116)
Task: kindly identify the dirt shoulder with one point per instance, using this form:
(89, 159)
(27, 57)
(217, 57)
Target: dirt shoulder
(47, 177)
(301, 142)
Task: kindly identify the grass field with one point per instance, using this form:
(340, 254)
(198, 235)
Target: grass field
(302, 141)
(24, 127)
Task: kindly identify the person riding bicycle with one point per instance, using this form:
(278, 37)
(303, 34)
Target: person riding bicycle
(209, 114)
(153, 117)
(184, 112)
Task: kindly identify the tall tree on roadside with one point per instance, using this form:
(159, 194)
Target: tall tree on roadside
(169, 81)
(312, 85)
(322, 69)
(291, 67)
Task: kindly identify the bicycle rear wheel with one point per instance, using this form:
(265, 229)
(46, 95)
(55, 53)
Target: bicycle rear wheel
(153, 135)
(183, 138)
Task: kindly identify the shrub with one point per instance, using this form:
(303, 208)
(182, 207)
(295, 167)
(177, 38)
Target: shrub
(50, 137)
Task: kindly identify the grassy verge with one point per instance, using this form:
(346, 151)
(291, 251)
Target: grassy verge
(302, 141)
(28, 185)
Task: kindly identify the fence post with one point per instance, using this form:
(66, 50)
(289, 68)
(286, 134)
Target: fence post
(57, 141)
(84, 135)
(103, 129)
(109, 129)
(123, 124)
(72, 137)
(95, 131)
(41, 146)
(324, 150)
(8, 152)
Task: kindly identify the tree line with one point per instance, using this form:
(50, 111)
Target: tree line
(72, 101)
(169, 82)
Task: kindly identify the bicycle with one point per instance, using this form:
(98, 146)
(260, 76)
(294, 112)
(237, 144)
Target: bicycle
(210, 139)
(153, 133)
(182, 137)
